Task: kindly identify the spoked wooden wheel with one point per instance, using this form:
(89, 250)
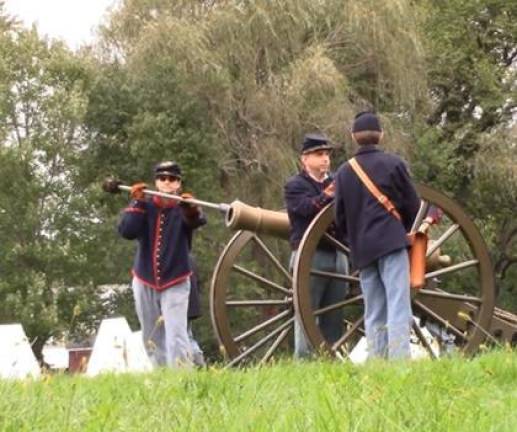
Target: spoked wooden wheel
(457, 302)
(251, 299)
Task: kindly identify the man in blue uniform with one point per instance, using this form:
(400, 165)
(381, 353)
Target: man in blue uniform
(162, 269)
(377, 239)
(305, 195)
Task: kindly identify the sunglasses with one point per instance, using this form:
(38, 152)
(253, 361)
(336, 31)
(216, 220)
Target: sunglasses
(167, 177)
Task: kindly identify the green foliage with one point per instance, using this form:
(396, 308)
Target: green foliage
(453, 394)
(265, 72)
(471, 50)
(42, 215)
(494, 193)
(467, 146)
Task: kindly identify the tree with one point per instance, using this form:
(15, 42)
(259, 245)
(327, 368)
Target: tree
(471, 49)
(42, 212)
(268, 71)
(467, 146)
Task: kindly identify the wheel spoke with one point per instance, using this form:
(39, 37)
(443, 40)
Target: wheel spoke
(443, 238)
(422, 212)
(275, 345)
(347, 334)
(262, 325)
(261, 342)
(255, 303)
(273, 258)
(338, 305)
(505, 315)
(452, 269)
(337, 244)
(449, 296)
(359, 330)
(446, 324)
(335, 276)
(424, 340)
(261, 280)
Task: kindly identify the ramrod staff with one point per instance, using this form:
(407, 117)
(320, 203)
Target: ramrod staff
(112, 185)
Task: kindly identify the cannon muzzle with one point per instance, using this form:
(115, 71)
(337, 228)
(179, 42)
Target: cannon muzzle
(241, 216)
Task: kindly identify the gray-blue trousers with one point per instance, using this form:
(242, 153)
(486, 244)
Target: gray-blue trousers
(324, 292)
(163, 319)
(387, 300)
(198, 357)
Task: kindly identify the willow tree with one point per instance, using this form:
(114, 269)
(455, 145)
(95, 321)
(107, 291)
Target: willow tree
(268, 71)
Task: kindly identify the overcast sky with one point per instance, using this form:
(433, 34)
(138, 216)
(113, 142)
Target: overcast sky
(70, 20)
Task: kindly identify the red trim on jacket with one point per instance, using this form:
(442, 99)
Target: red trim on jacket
(157, 239)
(169, 284)
(134, 210)
(164, 203)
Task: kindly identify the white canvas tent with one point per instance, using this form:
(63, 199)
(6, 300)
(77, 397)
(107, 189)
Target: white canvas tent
(116, 349)
(17, 359)
(56, 357)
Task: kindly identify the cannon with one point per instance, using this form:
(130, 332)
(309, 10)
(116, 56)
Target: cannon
(255, 299)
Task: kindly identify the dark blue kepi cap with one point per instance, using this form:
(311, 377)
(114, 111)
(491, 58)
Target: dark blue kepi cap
(366, 121)
(170, 168)
(314, 141)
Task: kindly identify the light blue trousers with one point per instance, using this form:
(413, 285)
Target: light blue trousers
(324, 292)
(388, 316)
(163, 319)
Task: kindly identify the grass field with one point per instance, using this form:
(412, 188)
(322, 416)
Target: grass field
(454, 394)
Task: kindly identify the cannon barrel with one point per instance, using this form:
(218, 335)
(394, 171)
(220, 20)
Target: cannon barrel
(241, 216)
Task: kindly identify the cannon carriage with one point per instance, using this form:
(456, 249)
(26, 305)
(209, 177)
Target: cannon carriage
(255, 299)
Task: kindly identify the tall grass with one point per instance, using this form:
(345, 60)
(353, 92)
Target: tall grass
(453, 394)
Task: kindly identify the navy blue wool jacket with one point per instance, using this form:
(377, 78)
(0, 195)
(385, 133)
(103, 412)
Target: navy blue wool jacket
(369, 229)
(163, 231)
(304, 198)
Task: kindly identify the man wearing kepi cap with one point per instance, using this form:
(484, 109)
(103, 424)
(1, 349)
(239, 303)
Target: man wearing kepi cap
(375, 224)
(162, 269)
(305, 194)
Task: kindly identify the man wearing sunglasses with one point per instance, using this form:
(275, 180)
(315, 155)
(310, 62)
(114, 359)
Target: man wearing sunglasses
(162, 268)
